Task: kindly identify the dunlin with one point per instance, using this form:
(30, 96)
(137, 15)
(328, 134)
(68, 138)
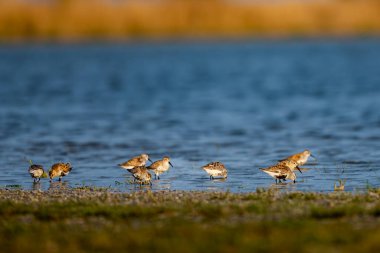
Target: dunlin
(215, 169)
(59, 170)
(141, 174)
(36, 172)
(290, 164)
(299, 158)
(160, 166)
(135, 161)
(280, 172)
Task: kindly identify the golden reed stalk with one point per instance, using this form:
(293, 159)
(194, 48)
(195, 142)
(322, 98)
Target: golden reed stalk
(71, 20)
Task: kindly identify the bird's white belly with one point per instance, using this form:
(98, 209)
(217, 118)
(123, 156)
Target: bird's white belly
(127, 167)
(272, 173)
(213, 172)
(36, 173)
(302, 161)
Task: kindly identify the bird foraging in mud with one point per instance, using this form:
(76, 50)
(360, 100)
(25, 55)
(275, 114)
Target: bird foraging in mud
(59, 170)
(141, 175)
(215, 169)
(282, 171)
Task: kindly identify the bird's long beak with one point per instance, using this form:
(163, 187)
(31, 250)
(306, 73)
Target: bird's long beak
(313, 157)
(171, 164)
(150, 160)
(299, 170)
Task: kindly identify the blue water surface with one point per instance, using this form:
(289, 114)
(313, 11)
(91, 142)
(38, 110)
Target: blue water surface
(244, 103)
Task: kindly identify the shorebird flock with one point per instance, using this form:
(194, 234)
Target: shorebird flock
(282, 171)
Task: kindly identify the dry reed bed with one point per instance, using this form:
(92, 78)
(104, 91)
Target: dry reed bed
(100, 19)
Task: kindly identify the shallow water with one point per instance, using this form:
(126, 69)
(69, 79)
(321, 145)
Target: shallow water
(245, 104)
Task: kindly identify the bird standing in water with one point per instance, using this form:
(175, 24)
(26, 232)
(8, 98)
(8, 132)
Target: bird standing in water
(36, 171)
(215, 169)
(300, 158)
(160, 166)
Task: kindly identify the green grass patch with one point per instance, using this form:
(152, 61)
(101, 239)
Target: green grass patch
(98, 220)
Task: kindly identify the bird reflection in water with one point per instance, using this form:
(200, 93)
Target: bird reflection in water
(58, 185)
(36, 186)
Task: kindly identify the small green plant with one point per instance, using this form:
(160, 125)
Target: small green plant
(340, 186)
(13, 186)
(44, 175)
(369, 187)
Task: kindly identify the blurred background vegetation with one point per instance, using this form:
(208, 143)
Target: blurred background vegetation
(72, 20)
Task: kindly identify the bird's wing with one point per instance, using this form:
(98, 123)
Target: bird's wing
(153, 166)
(132, 162)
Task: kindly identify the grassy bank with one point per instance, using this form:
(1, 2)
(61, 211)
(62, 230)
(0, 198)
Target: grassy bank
(90, 220)
(69, 20)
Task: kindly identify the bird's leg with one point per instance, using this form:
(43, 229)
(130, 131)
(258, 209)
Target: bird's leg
(60, 179)
(158, 177)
